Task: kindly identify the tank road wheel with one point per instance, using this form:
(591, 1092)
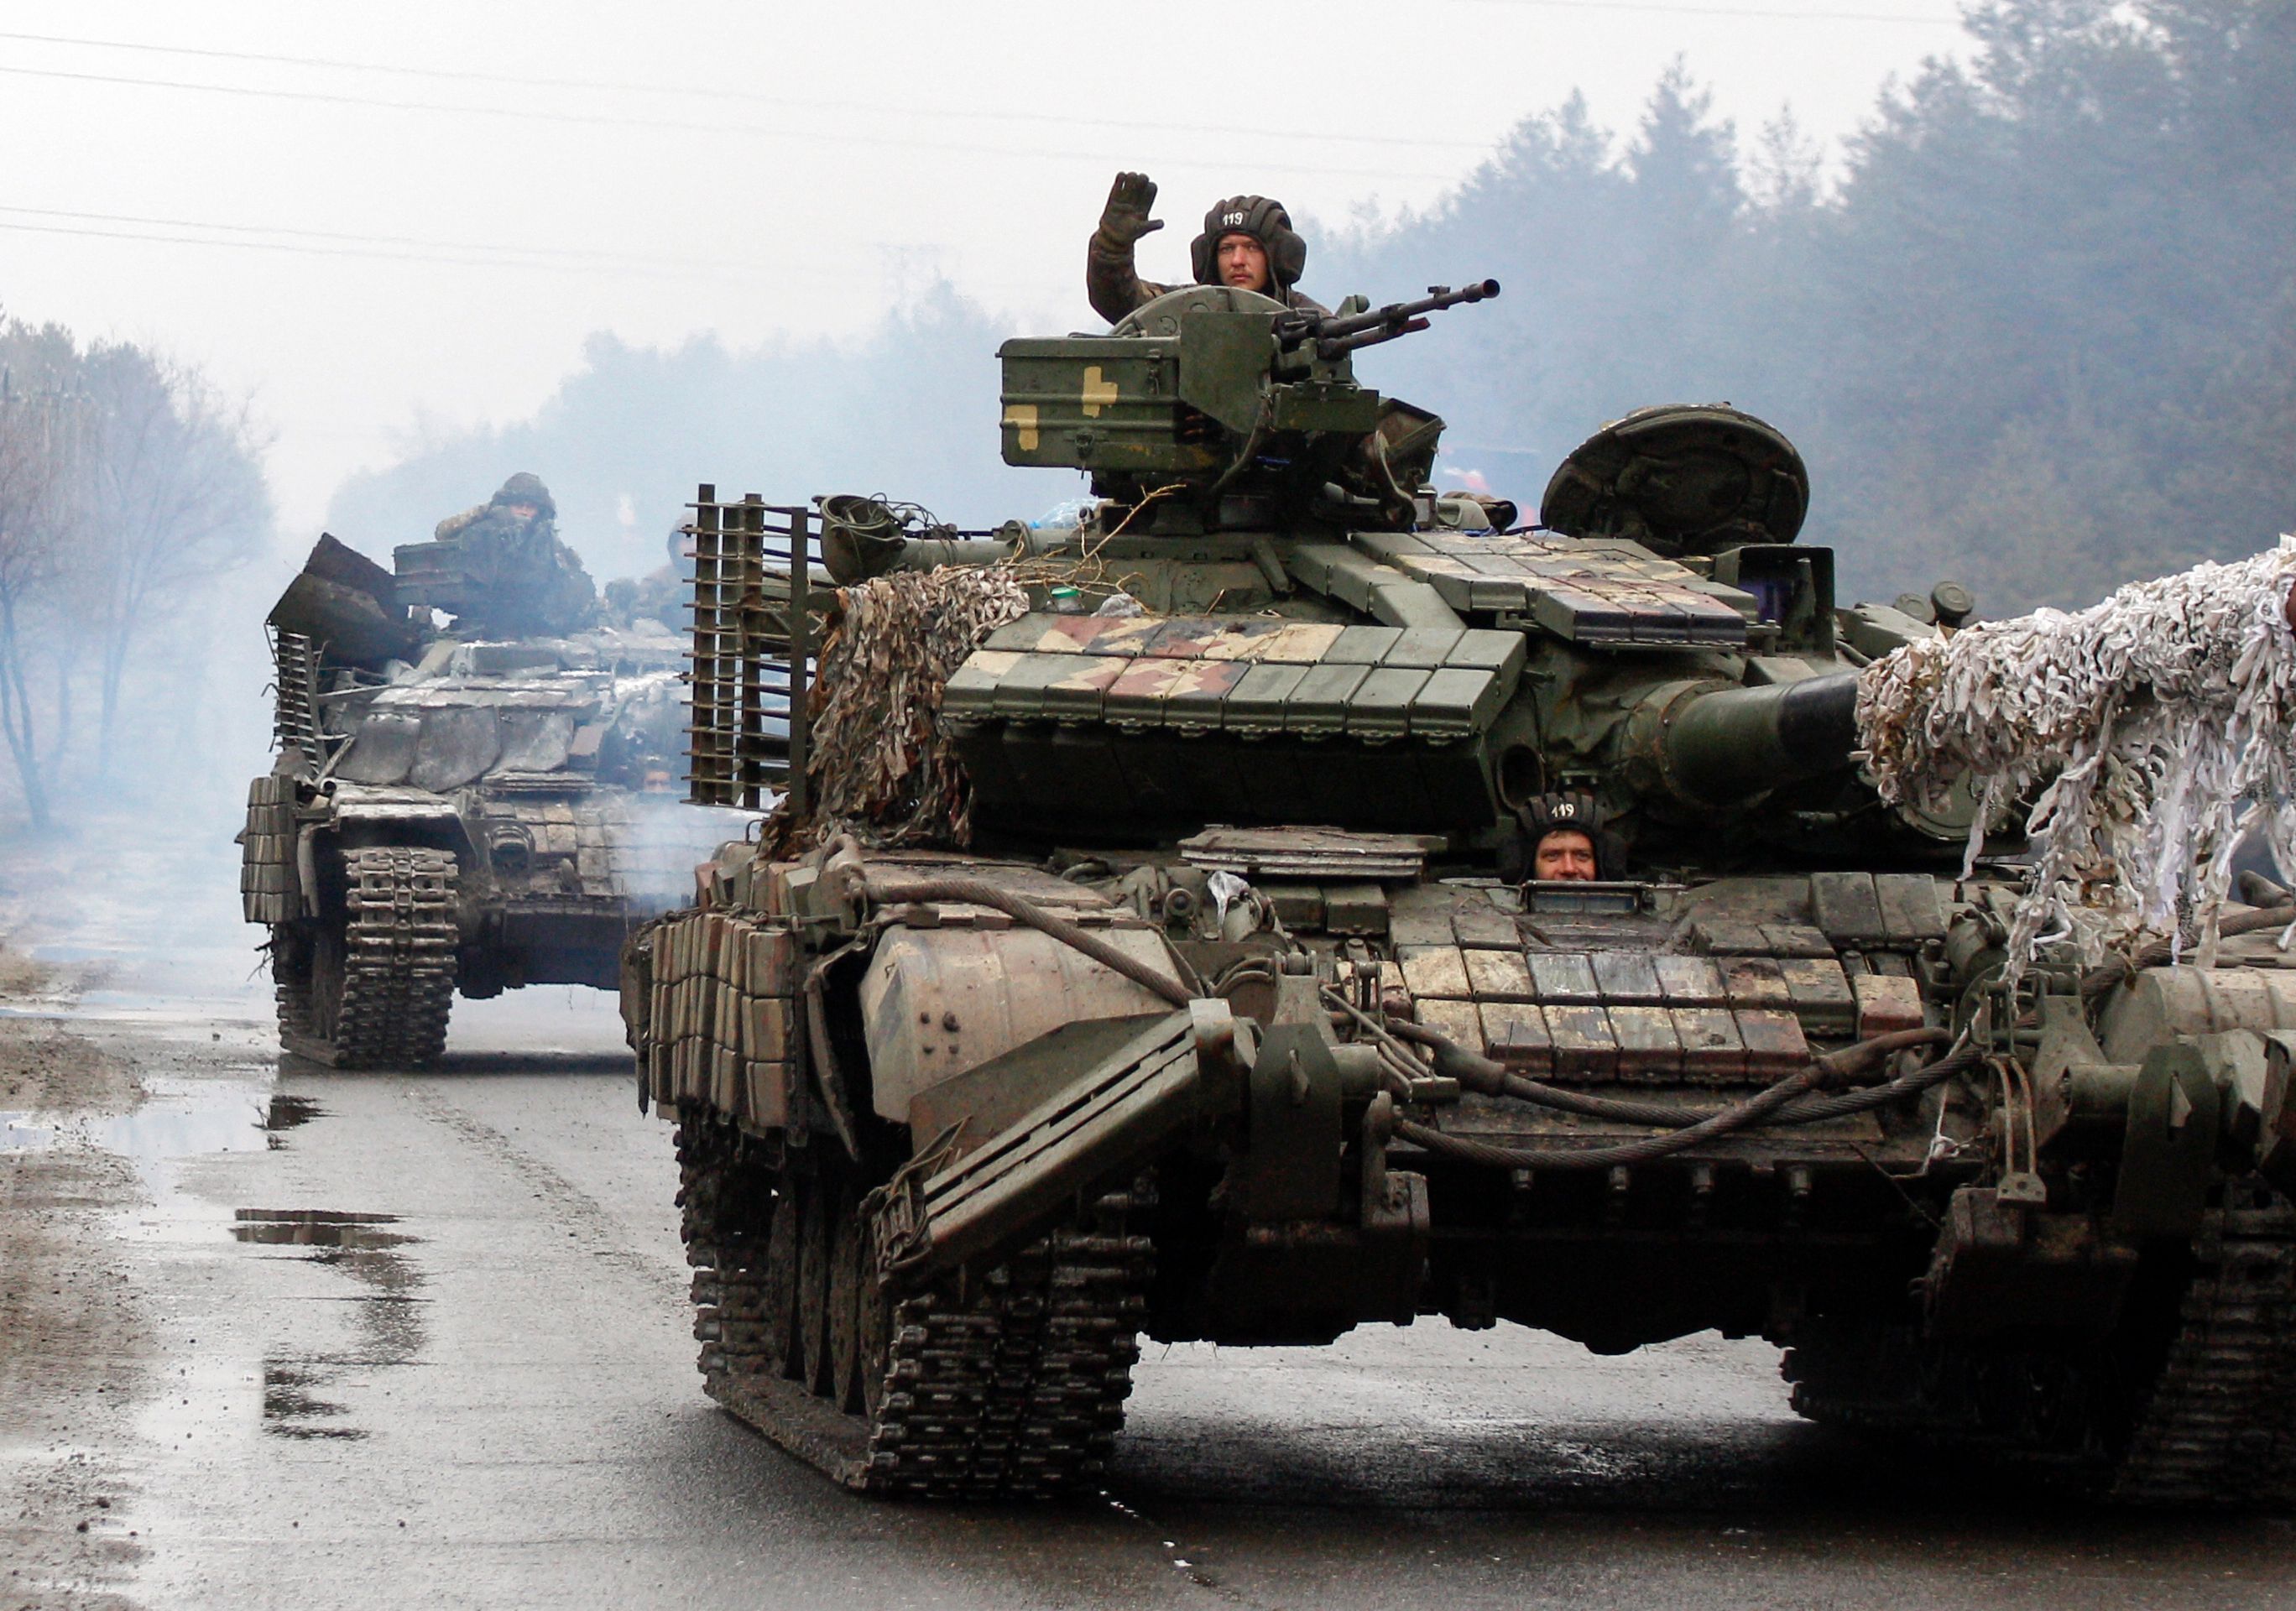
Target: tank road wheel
(816, 1228)
(847, 1292)
(778, 1283)
(1012, 1386)
(373, 988)
(873, 1335)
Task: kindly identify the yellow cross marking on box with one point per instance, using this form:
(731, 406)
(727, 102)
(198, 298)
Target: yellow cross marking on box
(1022, 418)
(1098, 394)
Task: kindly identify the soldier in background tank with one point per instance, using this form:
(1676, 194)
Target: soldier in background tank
(660, 595)
(1248, 242)
(500, 569)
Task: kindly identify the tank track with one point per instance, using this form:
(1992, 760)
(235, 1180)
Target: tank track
(399, 939)
(2219, 1427)
(290, 985)
(2215, 1426)
(1012, 1386)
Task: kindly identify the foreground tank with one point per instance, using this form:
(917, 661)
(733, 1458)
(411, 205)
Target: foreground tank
(1225, 1026)
(450, 810)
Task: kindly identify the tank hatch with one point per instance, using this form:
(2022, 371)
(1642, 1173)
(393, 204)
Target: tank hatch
(1681, 479)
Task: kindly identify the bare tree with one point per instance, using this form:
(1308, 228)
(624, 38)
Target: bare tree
(173, 500)
(40, 416)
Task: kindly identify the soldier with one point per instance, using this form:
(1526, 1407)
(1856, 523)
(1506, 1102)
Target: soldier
(521, 580)
(1562, 840)
(1247, 242)
(660, 595)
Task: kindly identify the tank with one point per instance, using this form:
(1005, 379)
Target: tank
(453, 811)
(1223, 1010)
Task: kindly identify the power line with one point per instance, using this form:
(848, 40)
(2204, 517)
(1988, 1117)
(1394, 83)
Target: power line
(700, 270)
(573, 255)
(684, 126)
(532, 81)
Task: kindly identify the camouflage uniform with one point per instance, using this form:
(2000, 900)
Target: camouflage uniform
(1114, 284)
(660, 595)
(525, 583)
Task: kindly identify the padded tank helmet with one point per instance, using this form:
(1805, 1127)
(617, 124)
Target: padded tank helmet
(1265, 220)
(1571, 813)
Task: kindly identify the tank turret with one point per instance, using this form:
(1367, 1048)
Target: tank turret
(1315, 634)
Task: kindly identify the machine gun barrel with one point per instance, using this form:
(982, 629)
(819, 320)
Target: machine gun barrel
(1335, 334)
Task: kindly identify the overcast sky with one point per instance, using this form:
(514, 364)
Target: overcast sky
(371, 217)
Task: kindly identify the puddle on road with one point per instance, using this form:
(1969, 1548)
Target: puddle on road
(316, 1228)
(188, 1118)
(386, 1318)
(177, 1119)
(291, 1409)
(20, 1133)
(289, 1111)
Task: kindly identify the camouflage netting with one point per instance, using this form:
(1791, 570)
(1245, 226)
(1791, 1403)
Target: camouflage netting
(2157, 727)
(881, 768)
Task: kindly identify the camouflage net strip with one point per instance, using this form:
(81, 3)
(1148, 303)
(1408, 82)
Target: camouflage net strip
(882, 766)
(2157, 727)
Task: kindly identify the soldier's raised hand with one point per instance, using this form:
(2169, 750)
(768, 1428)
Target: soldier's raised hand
(1126, 217)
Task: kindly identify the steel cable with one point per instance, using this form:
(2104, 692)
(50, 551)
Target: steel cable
(1745, 1116)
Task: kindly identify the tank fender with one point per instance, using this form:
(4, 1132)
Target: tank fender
(950, 1207)
(2161, 1005)
(362, 814)
(939, 1003)
(2168, 1157)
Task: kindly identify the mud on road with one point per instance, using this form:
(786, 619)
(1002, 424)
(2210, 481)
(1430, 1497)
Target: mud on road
(74, 1350)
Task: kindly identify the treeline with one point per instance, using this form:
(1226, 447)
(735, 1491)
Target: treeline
(2042, 335)
(2037, 332)
(130, 491)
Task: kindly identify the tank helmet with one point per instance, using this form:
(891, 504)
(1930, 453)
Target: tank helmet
(1265, 220)
(1571, 813)
(1560, 812)
(526, 487)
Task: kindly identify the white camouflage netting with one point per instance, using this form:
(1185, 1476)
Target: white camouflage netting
(2158, 727)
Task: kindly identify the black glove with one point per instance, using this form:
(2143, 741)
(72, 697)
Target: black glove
(1126, 217)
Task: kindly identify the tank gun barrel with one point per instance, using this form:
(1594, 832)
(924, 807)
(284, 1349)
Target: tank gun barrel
(1716, 746)
(1335, 335)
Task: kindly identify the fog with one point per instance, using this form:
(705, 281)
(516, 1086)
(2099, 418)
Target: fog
(2036, 331)
(2024, 291)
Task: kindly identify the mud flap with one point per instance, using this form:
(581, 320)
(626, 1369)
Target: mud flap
(1107, 1124)
(2169, 1155)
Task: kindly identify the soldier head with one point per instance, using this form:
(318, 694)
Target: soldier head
(1249, 243)
(524, 497)
(1566, 840)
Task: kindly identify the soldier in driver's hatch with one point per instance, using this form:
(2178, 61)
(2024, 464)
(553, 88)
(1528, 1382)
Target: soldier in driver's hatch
(523, 580)
(1561, 838)
(1248, 242)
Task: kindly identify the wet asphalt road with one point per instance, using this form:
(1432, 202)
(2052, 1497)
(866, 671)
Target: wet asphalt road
(420, 1341)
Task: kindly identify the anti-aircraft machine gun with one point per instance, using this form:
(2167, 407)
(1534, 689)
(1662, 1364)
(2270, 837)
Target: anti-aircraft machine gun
(1224, 1023)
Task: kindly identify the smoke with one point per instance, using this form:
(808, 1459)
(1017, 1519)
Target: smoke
(911, 410)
